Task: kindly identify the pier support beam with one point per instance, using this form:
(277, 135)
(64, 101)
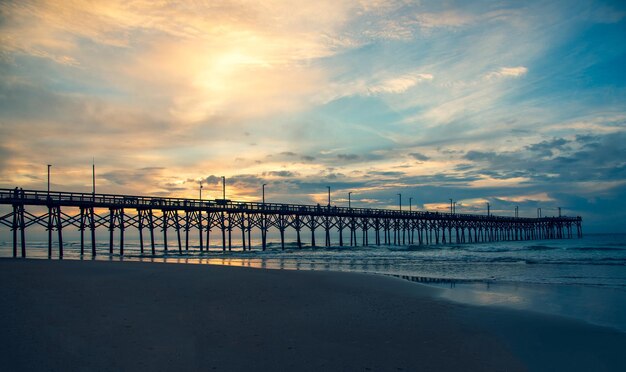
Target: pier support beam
(151, 226)
(92, 228)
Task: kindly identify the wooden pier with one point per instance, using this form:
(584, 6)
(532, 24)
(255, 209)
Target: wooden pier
(87, 212)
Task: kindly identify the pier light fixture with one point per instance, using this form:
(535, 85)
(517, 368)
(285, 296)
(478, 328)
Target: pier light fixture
(454, 208)
(488, 209)
(349, 200)
(450, 205)
(410, 199)
(200, 190)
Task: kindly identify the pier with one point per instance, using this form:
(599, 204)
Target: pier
(178, 218)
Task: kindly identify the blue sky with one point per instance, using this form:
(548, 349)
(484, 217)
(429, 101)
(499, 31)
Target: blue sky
(507, 102)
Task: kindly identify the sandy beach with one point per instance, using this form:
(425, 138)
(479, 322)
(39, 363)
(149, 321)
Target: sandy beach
(87, 315)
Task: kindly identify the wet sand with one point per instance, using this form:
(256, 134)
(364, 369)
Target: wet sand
(88, 315)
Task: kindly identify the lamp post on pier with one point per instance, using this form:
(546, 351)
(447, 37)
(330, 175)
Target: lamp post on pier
(410, 199)
(328, 196)
(349, 201)
(516, 211)
(450, 205)
(49, 166)
(223, 187)
(200, 190)
(454, 208)
(93, 176)
(263, 192)
(488, 209)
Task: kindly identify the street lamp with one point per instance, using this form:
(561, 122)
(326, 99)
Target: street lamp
(400, 201)
(49, 166)
(263, 191)
(93, 176)
(488, 209)
(349, 201)
(516, 211)
(410, 199)
(223, 187)
(454, 209)
(450, 205)
(328, 196)
(200, 190)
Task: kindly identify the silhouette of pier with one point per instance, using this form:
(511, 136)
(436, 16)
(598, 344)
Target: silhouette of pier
(87, 212)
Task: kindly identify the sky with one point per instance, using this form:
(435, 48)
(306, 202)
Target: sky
(512, 103)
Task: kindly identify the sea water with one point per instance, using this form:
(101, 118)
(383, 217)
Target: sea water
(595, 260)
(582, 278)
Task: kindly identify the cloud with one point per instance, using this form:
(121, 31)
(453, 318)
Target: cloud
(540, 197)
(153, 179)
(576, 163)
(504, 72)
(419, 156)
(546, 148)
(213, 180)
(386, 173)
(10, 46)
(280, 174)
(208, 55)
(380, 84)
(400, 84)
(480, 156)
(347, 157)
(453, 19)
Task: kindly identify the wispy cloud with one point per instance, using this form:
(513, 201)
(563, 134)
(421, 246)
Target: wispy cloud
(400, 84)
(507, 72)
(450, 18)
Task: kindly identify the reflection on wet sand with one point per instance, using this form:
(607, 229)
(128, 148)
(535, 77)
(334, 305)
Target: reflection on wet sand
(586, 303)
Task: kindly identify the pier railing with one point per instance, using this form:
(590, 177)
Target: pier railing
(76, 199)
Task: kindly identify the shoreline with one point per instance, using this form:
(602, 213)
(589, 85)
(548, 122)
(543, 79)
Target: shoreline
(129, 315)
(577, 301)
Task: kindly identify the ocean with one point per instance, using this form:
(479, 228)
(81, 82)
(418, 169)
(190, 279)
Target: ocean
(581, 278)
(594, 260)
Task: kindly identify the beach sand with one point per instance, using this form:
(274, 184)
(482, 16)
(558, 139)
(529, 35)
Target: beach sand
(131, 316)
